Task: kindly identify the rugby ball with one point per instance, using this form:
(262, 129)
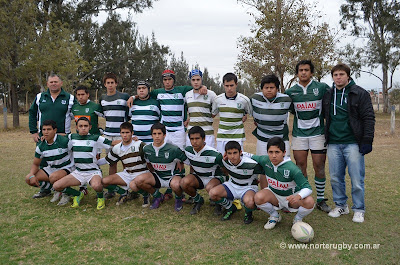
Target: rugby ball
(302, 232)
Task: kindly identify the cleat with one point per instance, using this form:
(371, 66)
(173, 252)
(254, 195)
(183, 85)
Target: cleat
(156, 202)
(228, 214)
(272, 221)
(64, 200)
(122, 199)
(167, 197)
(77, 200)
(323, 206)
(217, 209)
(146, 202)
(84, 190)
(101, 203)
(178, 205)
(109, 195)
(338, 211)
(41, 194)
(56, 196)
(196, 207)
(248, 218)
(358, 217)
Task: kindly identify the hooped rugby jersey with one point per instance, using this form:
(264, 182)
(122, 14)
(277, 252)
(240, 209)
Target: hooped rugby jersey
(205, 163)
(131, 156)
(143, 114)
(115, 111)
(199, 110)
(271, 116)
(56, 155)
(245, 173)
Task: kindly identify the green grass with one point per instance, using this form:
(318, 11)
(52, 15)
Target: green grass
(37, 231)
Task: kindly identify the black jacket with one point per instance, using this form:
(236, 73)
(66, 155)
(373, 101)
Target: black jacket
(360, 111)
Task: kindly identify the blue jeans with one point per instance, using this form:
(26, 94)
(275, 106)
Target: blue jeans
(340, 156)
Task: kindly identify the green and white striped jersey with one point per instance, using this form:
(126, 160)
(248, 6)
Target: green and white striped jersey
(205, 163)
(56, 155)
(131, 156)
(245, 173)
(115, 111)
(164, 159)
(84, 150)
(231, 112)
(144, 113)
(285, 178)
(271, 116)
(199, 110)
(307, 102)
(172, 105)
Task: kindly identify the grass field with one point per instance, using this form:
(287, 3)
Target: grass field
(38, 232)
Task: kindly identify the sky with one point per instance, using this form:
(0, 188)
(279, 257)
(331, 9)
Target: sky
(207, 31)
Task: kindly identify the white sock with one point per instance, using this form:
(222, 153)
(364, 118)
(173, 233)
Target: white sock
(268, 208)
(303, 212)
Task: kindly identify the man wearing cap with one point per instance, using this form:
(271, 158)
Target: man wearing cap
(145, 112)
(199, 108)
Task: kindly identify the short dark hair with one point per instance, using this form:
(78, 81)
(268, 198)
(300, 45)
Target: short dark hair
(270, 79)
(341, 67)
(126, 125)
(229, 77)
(276, 141)
(54, 75)
(82, 87)
(83, 119)
(303, 62)
(233, 145)
(51, 123)
(159, 126)
(197, 129)
(110, 76)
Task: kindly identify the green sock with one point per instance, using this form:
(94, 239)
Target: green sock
(157, 194)
(320, 187)
(117, 189)
(247, 210)
(197, 198)
(168, 191)
(72, 192)
(144, 193)
(45, 185)
(100, 194)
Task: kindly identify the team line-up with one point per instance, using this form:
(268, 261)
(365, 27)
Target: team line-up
(147, 133)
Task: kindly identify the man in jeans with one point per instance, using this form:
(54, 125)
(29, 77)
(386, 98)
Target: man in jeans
(349, 133)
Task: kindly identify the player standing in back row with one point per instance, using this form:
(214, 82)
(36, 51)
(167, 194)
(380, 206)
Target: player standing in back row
(308, 126)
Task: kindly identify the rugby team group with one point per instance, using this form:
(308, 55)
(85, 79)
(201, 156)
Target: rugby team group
(155, 133)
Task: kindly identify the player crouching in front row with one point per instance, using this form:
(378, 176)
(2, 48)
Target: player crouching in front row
(84, 149)
(131, 153)
(242, 184)
(287, 186)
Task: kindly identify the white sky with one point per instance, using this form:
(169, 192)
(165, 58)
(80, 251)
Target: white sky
(207, 31)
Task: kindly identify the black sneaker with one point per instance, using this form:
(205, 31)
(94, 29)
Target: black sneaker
(229, 214)
(146, 202)
(109, 195)
(41, 194)
(248, 218)
(217, 209)
(196, 207)
(323, 206)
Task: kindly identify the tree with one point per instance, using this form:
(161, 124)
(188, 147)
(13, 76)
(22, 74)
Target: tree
(284, 33)
(181, 69)
(378, 23)
(395, 95)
